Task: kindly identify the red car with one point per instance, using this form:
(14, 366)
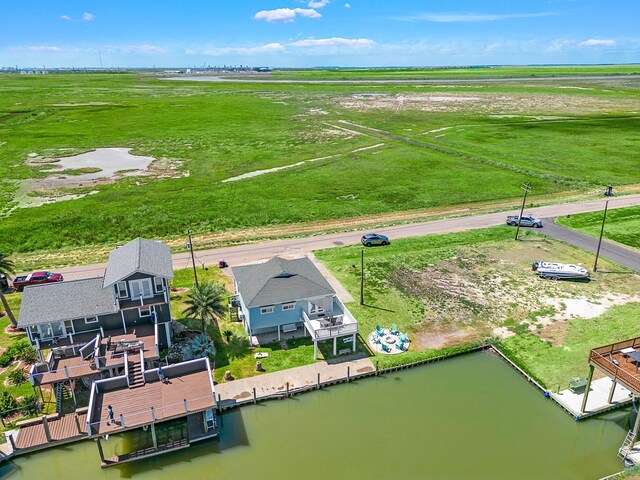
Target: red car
(36, 278)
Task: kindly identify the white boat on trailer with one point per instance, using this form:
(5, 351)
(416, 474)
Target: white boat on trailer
(557, 271)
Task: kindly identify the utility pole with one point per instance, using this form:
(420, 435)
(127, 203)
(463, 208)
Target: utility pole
(193, 258)
(604, 217)
(526, 187)
(362, 277)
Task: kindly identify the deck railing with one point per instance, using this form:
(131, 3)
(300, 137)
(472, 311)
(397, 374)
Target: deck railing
(148, 415)
(619, 374)
(323, 333)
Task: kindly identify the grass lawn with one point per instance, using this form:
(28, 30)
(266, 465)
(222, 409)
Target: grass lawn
(555, 366)
(450, 292)
(622, 225)
(202, 133)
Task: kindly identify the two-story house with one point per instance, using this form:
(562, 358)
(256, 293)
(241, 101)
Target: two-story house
(91, 322)
(290, 298)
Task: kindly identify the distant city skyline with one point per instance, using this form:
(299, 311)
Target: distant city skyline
(297, 33)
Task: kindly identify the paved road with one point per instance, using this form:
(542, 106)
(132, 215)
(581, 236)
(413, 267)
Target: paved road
(611, 251)
(242, 254)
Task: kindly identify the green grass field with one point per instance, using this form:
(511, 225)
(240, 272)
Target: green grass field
(622, 225)
(495, 139)
(456, 73)
(554, 353)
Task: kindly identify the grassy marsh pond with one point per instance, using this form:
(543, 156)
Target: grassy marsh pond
(466, 418)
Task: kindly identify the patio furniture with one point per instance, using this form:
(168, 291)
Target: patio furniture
(379, 331)
(627, 351)
(404, 338)
(400, 346)
(613, 360)
(577, 385)
(636, 358)
(386, 348)
(261, 355)
(394, 329)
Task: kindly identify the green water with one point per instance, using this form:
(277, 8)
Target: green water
(467, 418)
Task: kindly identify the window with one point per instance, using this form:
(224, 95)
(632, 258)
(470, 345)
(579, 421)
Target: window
(89, 320)
(144, 311)
(121, 288)
(288, 306)
(264, 310)
(316, 309)
(141, 288)
(158, 284)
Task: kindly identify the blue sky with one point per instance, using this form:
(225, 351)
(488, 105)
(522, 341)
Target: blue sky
(290, 33)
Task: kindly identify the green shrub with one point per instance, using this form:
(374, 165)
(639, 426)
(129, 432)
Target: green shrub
(17, 376)
(7, 401)
(30, 404)
(5, 359)
(29, 355)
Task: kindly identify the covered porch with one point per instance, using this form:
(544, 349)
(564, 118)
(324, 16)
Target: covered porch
(330, 324)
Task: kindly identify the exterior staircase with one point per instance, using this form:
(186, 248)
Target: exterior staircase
(627, 445)
(135, 372)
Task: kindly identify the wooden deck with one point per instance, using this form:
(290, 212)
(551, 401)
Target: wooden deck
(62, 429)
(78, 368)
(145, 453)
(617, 365)
(167, 400)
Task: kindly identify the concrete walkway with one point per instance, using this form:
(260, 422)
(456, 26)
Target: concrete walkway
(597, 401)
(270, 384)
(616, 253)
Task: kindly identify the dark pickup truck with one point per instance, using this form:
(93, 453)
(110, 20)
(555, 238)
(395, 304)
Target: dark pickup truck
(35, 278)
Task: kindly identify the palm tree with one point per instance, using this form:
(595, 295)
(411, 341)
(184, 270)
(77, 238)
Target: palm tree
(208, 302)
(6, 268)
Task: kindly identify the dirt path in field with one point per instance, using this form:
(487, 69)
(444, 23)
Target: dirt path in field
(256, 173)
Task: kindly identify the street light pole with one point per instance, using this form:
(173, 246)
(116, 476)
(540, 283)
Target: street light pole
(193, 258)
(526, 189)
(362, 277)
(604, 217)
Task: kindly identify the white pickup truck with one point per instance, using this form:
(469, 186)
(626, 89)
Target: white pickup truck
(527, 221)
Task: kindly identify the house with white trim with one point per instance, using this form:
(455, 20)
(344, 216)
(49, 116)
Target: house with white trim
(282, 299)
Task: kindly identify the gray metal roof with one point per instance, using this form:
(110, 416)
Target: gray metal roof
(53, 302)
(138, 256)
(280, 281)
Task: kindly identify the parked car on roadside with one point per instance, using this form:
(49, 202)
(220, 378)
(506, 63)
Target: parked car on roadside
(527, 221)
(36, 278)
(374, 239)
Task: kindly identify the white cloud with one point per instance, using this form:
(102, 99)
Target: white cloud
(471, 17)
(44, 48)
(347, 5)
(285, 14)
(334, 42)
(597, 42)
(318, 3)
(88, 17)
(142, 48)
(65, 17)
(262, 49)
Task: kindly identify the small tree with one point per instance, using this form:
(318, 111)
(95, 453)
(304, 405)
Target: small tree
(227, 335)
(207, 301)
(7, 401)
(7, 268)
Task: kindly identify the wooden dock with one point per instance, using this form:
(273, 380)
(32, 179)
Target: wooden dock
(145, 453)
(35, 434)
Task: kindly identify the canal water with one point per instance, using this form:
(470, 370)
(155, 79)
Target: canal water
(471, 417)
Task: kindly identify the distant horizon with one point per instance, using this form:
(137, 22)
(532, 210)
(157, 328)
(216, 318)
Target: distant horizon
(316, 67)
